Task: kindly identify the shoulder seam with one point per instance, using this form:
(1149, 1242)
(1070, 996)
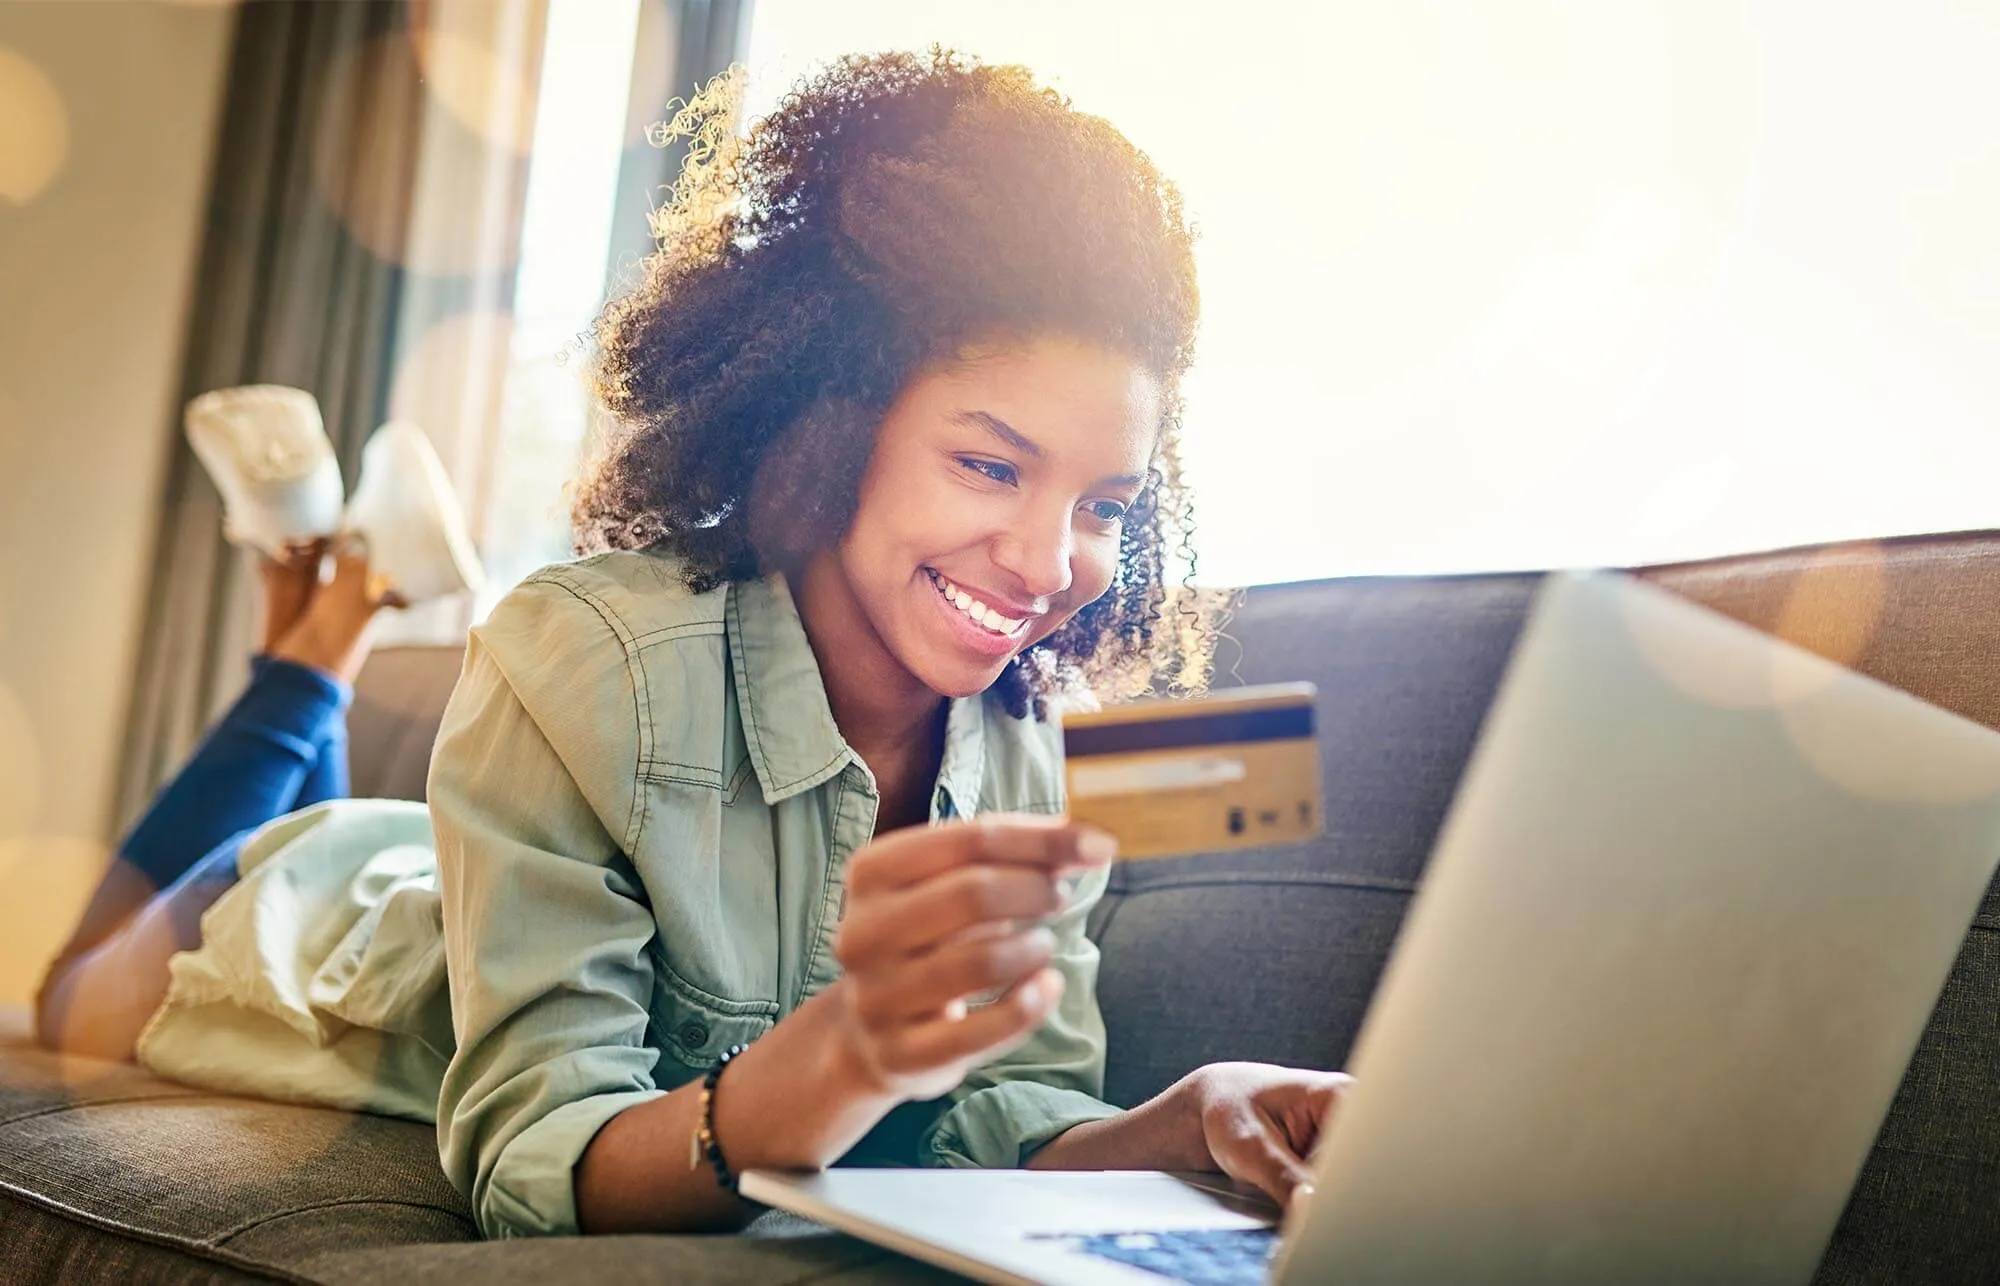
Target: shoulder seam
(635, 639)
(641, 696)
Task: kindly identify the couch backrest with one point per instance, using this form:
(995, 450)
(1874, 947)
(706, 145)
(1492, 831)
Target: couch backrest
(398, 704)
(1920, 613)
(1274, 954)
(1917, 612)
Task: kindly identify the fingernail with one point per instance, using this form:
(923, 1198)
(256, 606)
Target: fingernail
(955, 1011)
(1031, 995)
(1095, 846)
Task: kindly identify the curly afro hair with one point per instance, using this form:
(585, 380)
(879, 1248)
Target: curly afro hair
(893, 211)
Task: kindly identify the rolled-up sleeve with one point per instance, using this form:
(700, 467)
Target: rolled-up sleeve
(1007, 1109)
(547, 928)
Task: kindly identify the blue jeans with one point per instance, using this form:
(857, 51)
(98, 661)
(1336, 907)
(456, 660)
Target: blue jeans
(280, 748)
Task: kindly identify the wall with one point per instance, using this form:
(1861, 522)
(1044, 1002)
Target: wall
(108, 115)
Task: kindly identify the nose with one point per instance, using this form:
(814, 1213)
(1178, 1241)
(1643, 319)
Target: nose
(1037, 554)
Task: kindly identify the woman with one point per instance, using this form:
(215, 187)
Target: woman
(896, 477)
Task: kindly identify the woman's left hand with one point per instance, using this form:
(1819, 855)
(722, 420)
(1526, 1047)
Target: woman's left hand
(1261, 1122)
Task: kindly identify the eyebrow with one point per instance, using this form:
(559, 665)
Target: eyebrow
(1026, 445)
(999, 428)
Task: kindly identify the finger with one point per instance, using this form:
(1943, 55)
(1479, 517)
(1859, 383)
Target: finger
(982, 1034)
(902, 923)
(1260, 1156)
(1321, 1103)
(932, 981)
(1042, 841)
(906, 857)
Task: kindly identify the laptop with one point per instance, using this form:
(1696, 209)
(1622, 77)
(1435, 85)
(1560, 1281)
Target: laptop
(1695, 899)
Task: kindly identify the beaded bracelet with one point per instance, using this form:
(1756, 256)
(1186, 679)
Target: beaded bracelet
(704, 1142)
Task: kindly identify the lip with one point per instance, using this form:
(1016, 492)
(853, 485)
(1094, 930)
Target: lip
(975, 638)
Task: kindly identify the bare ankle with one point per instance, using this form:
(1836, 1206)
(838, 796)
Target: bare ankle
(333, 634)
(337, 654)
(288, 585)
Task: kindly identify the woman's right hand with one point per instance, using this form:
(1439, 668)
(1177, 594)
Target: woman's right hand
(937, 916)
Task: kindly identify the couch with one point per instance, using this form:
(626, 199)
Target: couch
(107, 1173)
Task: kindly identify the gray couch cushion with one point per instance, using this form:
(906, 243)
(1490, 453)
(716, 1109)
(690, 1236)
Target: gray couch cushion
(114, 1172)
(779, 1251)
(1927, 1206)
(109, 1174)
(1274, 954)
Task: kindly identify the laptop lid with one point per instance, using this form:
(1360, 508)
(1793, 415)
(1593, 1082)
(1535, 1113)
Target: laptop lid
(1695, 900)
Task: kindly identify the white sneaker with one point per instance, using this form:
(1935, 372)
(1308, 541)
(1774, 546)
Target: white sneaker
(265, 448)
(409, 518)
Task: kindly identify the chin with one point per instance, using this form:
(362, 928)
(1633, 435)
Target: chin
(954, 679)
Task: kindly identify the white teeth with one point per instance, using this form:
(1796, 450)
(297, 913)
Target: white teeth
(975, 609)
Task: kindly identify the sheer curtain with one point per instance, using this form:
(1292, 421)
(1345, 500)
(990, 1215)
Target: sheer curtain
(365, 242)
(367, 168)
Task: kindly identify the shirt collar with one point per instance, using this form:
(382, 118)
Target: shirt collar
(963, 767)
(788, 725)
(794, 743)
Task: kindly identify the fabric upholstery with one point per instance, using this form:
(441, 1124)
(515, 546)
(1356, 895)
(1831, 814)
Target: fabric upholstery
(108, 1174)
(1922, 614)
(1274, 954)
(1919, 613)
(90, 1148)
(780, 1251)
(398, 704)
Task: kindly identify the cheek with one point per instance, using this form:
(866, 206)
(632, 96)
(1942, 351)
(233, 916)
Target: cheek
(1092, 569)
(892, 514)
(908, 496)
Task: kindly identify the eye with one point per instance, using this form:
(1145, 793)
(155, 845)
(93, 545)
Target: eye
(996, 470)
(1106, 511)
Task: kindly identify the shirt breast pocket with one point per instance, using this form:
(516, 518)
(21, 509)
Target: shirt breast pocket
(693, 1026)
(710, 877)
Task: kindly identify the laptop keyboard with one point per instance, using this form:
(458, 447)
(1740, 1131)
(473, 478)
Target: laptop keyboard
(1197, 1257)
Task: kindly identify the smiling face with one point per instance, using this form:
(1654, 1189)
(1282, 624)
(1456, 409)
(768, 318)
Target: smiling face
(991, 510)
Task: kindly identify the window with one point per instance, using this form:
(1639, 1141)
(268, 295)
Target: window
(579, 141)
(1545, 283)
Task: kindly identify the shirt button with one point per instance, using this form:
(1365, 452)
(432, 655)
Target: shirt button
(693, 1035)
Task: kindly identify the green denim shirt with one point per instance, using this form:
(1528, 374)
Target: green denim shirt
(642, 812)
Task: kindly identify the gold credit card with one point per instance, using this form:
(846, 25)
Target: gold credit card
(1232, 769)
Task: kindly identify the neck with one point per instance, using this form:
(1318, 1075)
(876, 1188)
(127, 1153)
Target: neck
(879, 707)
